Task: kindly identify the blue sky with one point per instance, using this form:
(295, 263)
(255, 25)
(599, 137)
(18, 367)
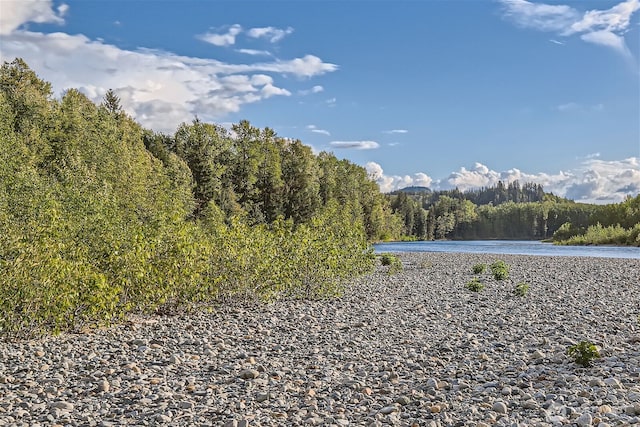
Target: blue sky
(434, 93)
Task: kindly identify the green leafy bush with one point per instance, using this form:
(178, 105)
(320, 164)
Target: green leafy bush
(99, 217)
(600, 235)
(479, 268)
(392, 261)
(521, 289)
(583, 353)
(500, 270)
(475, 285)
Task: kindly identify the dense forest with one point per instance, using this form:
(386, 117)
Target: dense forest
(100, 217)
(514, 211)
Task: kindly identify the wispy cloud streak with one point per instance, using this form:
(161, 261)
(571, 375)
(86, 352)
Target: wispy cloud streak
(357, 145)
(602, 27)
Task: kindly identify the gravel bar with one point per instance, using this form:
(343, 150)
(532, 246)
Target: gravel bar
(411, 349)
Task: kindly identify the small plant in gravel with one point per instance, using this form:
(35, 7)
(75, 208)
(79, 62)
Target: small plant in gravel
(500, 270)
(391, 261)
(521, 289)
(428, 264)
(479, 268)
(475, 285)
(583, 353)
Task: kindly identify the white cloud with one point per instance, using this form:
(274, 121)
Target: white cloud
(307, 66)
(358, 145)
(393, 131)
(62, 10)
(602, 27)
(254, 52)
(15, 13)
(389, 183)
(576, 107)
(225, 39)
(315, 89)
(271, 90)
(228, 37)
(615, 19)
(160, 89)
(609, 39)
(331, 102)
(421, 179)
(479, 176)
(556, 41)
(374, 170)
(594, 181)
(540, 16)
(272, 34)
(569, 106)
(314, 128)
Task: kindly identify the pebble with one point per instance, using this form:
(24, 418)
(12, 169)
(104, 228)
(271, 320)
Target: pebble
(499, 407)
(409, 349)
(249, 374)
(584, 420)
(104, 386)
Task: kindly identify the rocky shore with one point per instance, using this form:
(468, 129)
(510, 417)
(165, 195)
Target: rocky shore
(413, 348)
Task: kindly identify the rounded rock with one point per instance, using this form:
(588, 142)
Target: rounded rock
(499, 407)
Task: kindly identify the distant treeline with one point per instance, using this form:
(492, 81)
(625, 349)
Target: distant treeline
(514, 211)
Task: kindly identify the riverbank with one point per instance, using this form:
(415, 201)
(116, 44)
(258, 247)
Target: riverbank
(415, 348)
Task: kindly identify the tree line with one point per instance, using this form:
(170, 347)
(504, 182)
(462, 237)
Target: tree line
(514, 211)
(100, 217)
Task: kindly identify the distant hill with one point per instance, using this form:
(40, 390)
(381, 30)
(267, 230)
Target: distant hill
(413, 190)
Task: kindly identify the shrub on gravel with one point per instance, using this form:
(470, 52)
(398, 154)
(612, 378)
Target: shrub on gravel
(392, 261)
(521, 289)
(475, 285)
(479, 268)
(500, 270)
(583, 353)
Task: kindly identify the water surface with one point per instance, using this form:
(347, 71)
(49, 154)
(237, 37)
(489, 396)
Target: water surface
(510, 247)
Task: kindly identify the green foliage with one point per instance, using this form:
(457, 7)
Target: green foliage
(600, 235)
(566, 231)
(500, 270)
(475, 285)
(583, 353)
(512, 211)
(100, 217)
(269, 262)
(479, 268)
(388, 259)
(521, 289)
(412, 214)
(392, 261)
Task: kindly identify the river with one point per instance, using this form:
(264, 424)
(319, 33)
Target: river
(514, 247)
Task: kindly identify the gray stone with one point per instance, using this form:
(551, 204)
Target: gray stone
(499, 407)
(389, 409)
(584, 420)
(249, 374)
(62, 405)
